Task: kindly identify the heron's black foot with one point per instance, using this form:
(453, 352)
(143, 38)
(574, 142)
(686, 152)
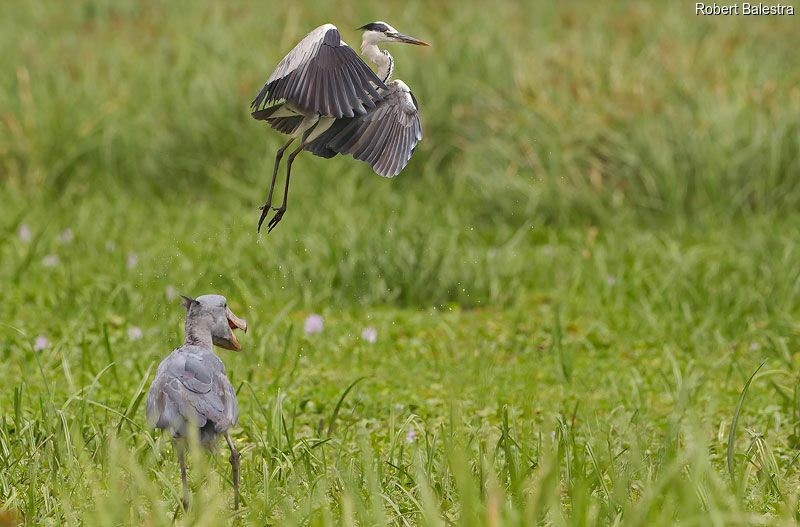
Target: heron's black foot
(264, 211)
(279, 212)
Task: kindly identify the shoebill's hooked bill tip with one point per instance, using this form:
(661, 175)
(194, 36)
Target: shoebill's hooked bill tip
(235, 322)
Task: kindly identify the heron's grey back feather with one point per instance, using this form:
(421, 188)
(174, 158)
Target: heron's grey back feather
(323, 75)
(385, 137)
(191, 389)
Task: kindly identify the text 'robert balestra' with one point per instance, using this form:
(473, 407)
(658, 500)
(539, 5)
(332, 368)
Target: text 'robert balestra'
(743, 9)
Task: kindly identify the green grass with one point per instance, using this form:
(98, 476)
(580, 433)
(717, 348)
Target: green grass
(594, 247)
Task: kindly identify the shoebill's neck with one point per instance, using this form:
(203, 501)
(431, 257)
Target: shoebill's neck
(381, 59)
(197, 333)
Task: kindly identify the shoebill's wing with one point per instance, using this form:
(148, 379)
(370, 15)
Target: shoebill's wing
(384, 137)
(191, 388)
(321, 74)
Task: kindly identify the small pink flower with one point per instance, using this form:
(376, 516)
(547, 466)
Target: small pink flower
(41, 343)
(611, 280)
(135, 333)
(132, 261)
(51, 260)
(170, 292)
(370, 335)
(110, 246)
(411, 436)
(313, 324)
(24, 232)
(67, 236)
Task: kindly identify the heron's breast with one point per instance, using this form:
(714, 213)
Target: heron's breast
(323, 124)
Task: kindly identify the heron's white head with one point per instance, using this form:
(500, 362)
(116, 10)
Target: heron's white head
(377, 32)
(211, 312)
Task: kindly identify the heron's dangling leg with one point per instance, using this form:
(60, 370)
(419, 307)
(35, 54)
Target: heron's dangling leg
(234, 459)
(282, 209)
(268, 203)
(182, 459)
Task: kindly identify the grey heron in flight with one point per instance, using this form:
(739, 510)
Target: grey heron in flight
(191, 388)
(325, 94)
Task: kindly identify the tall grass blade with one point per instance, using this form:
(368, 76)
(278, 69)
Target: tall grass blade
(734, 424)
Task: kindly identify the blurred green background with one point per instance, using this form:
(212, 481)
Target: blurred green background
(598, 236)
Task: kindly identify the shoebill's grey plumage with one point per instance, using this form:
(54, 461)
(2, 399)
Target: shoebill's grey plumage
(191, 388)
(325, 94)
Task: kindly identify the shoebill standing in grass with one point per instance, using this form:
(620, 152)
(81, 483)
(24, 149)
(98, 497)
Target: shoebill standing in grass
(323, 93)
(191, 388)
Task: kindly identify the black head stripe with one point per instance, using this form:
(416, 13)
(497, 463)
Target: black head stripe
(375, 26)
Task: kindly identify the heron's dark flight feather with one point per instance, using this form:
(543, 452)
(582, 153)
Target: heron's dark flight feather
(322, 75)
(385, 137)
(286, 125)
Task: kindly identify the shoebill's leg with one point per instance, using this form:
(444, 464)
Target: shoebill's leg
(234, 459)
(268, 204)
(282, 209)
(182, 459)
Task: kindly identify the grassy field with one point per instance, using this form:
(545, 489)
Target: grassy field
(591, 252)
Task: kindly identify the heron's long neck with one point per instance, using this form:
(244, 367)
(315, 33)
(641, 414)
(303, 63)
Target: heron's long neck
(197, 333)
(381, 59)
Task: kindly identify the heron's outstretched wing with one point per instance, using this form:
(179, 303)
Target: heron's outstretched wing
(322, 74)
(385, 137)
(191, 388)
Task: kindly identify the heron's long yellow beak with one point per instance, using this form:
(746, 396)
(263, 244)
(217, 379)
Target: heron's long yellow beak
(409, 40)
